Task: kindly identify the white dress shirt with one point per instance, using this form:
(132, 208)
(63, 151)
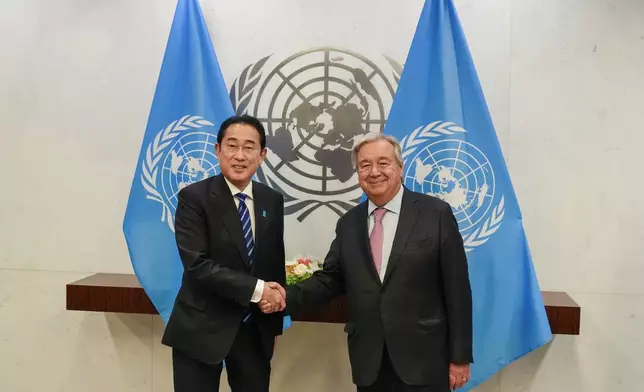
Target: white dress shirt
(389, 226)
(248, 191)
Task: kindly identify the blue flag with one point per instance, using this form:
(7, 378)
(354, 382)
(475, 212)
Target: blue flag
(450, 150)
(190, 102)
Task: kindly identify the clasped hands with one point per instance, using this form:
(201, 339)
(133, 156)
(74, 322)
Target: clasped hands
(273, 298)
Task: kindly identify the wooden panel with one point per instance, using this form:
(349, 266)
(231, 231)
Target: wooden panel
(122, 293)
(564, 315)
(117, 293)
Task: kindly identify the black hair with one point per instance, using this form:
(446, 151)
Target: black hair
(243, 119)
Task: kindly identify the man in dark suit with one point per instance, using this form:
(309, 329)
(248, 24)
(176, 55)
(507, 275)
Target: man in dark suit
(229, 231)
(400, 260)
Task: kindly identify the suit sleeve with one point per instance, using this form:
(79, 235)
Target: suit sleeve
(191, 234)
(457, 290)
(322, 286)
(281, 256)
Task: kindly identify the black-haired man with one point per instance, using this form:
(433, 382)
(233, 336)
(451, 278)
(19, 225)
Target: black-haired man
(229, 231)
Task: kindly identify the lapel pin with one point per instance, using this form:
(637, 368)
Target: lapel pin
(264, 213)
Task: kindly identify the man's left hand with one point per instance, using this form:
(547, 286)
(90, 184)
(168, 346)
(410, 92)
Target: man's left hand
(459, 375)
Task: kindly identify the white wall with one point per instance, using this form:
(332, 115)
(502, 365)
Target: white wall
(564, 83)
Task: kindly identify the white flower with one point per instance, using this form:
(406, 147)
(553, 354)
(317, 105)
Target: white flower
(301, 269)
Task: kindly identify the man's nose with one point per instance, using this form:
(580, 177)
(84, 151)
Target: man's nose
(239, 155)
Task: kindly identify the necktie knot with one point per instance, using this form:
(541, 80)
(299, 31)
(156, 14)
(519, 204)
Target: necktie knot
(241, 196)
(379, 213)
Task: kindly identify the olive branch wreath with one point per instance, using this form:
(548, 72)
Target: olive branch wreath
(418, 137)
(155, 151)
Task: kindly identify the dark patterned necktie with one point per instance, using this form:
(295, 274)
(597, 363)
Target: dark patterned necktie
(247, 230)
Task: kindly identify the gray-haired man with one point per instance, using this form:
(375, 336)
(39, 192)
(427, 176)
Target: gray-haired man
(400, 260)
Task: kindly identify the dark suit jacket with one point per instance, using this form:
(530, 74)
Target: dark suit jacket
(217, 282)
(423, 308)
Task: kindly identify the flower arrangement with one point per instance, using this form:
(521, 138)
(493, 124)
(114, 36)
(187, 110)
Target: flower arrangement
(301, 268)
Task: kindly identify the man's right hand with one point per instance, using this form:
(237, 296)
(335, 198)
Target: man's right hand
(273, 298)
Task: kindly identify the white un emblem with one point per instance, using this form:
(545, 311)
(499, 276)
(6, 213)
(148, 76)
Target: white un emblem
(457, 172)
(314, 104)
(179, 155)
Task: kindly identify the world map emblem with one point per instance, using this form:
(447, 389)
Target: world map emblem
(440, 162)
(314, 104)
(179, 155)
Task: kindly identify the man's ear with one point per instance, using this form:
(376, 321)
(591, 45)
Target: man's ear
(217, 150)
(262, 155)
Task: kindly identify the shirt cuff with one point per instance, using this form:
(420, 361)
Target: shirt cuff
(259, 290)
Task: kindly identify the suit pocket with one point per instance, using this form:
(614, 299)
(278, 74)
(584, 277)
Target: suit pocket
(430, 324)
(199, 304)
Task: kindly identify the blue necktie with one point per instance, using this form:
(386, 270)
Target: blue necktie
(247, 230)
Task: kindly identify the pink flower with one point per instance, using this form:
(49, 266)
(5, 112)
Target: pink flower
(306, 262)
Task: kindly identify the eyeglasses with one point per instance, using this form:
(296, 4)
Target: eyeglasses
(231, 149)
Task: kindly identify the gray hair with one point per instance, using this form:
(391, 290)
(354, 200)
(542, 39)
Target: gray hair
(374, 137)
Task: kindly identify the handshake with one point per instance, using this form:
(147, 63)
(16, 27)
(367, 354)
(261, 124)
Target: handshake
(273, 298)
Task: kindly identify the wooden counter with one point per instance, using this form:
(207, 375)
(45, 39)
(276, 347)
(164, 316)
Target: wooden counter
(122, 293)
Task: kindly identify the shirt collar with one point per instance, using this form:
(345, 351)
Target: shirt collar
(393, 205)
(248, 191)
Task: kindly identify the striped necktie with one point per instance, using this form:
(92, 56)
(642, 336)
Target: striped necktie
(247, 230)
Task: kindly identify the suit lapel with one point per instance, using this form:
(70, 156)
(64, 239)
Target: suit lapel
(363, 240)
(260, 214)
(406, 222)
(228, 212)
